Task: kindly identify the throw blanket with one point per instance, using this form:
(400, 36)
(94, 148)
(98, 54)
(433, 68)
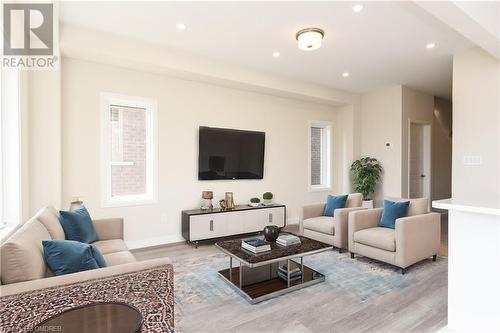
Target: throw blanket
(151, 291)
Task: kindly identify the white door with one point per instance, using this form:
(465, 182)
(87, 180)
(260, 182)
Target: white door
(419, 160)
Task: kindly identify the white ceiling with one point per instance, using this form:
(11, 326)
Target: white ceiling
(382, 45)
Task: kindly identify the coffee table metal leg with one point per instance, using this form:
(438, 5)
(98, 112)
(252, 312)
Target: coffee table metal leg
(302, 268)
(230, 268)
(288, 273)
(241, 275)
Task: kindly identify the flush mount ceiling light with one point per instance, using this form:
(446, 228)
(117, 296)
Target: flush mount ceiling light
(276, 54)
(180, 26)
(309, 39)
(430, 45)
(345, 74)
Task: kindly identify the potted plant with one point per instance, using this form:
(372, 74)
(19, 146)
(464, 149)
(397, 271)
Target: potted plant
(366, 174)
(268, 198)
(254, 202)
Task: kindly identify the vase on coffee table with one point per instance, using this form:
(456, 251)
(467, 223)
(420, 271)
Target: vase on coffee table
(271, 232)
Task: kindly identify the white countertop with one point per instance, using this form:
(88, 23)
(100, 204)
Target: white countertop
(484, 207)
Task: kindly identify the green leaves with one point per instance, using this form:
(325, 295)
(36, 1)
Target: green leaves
(366, 174)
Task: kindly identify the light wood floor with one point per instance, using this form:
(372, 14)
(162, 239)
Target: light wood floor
(421, 307)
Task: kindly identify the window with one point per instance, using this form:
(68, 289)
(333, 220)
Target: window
(10, 151)
(319, 155)
(129, 149)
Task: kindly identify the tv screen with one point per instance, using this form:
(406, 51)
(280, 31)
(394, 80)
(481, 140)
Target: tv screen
(230, 154)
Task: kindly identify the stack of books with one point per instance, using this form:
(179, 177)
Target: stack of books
(255, 245)
(287, 240)
(295, 273)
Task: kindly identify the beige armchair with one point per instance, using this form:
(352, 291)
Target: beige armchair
(326, 229)
(416, 236)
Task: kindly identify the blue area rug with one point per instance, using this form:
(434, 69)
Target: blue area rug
(197, 280)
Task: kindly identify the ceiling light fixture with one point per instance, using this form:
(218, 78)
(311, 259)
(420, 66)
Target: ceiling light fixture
(357, 8)
(430, 45)
(276, 54)
(309, 39)
(345, 74)
(180, 26)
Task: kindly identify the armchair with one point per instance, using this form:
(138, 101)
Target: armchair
(326, 229)
(415, 237)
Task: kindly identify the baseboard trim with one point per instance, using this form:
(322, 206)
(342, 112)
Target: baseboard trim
(154, 241)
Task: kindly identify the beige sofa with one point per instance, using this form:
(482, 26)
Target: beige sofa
(416, 236)
(23, 267)
(326, 229)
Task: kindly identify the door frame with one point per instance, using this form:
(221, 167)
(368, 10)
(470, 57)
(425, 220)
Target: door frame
(423, 123)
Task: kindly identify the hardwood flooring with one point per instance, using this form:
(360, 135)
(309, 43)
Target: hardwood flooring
(420, 307)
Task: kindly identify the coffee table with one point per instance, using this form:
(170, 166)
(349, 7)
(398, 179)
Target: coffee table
(256, 276)
(105, 317)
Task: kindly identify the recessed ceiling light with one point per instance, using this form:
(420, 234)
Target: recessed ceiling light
(430, 45)
(180, 26)
(309, 39)
(345, 74)
(276, 54)
(357, 8)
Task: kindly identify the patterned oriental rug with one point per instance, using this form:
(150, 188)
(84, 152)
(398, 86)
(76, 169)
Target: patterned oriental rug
(151, 291)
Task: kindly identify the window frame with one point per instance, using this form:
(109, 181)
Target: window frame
(326, 156)
(150, 107)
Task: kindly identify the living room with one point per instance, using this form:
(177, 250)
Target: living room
(295, 94)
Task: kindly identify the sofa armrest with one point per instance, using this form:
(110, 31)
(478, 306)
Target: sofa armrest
(417, 237)
(20, 287)
(340, 223)
(362, 219)
(312, 210)
(109, 228)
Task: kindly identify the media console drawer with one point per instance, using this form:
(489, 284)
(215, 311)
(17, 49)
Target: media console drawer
(207, 224)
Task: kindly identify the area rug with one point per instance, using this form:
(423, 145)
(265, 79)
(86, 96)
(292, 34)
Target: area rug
(198, 288)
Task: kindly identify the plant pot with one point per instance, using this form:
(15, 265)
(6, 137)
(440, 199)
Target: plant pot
(367, 204)
(254, 204)
(268, 202)
(271, 233)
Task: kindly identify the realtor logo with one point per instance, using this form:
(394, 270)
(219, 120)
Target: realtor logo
(28, 35)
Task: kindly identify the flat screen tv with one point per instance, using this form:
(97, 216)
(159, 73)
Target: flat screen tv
(230, 154)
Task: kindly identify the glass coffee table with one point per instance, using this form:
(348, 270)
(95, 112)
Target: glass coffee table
(256, 278)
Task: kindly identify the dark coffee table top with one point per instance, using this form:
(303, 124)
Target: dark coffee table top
(307, 247)
(109, 317)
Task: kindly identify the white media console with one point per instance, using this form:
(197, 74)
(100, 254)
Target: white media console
(198, 224)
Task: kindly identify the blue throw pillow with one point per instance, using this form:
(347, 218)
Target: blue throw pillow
(393, 211)
(66, 256)
(78, 226)
(334, 202)
(98, 256)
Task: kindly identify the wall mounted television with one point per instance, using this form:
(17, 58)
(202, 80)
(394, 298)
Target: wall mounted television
(230, 154)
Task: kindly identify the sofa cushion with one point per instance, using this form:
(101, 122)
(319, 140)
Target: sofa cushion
(322, 224)
(111, 245)
(334, 202)
(354, 200)
(49, 217)
(78, 226)
(417, 206)
(379, 237)
(66, 256)
(22, 254)
(118, 258)
(392, 211)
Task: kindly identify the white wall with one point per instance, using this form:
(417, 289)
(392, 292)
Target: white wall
(476, 126)
(381, 123)
(44, 137)
(182, 107)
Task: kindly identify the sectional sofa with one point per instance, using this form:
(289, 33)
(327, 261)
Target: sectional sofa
(27, 282)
